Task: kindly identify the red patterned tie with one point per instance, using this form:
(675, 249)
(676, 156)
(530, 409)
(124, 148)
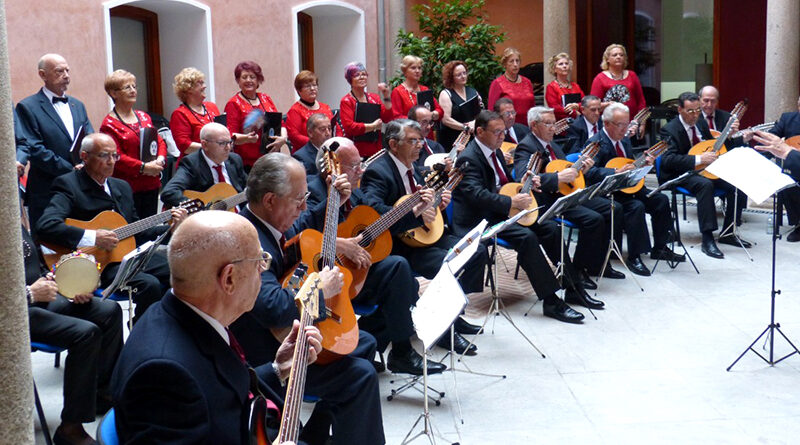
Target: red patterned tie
(500, 173)
(427, 148)
(411, 183)
(594, 130)
(220, 176)
(553, 156)
(695, 139)
(620, 152)
(710, 119)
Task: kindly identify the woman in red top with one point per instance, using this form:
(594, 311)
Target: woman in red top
(615, 83)
(356, 75)
(123, 124)
(305, 83)
(248, 145)
(404, 96)
(560, 66)
(193, 113)
(510, 84)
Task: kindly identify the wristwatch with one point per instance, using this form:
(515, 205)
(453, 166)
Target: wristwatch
(29, 294)
(141, 169)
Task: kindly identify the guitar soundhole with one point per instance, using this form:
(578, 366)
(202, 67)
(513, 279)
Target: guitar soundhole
(318, 262)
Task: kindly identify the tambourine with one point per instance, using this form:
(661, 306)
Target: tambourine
(76, 273)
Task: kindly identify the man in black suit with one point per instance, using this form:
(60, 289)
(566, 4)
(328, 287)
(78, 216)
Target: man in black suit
(20, 145)
(181, 376)
(593, 217)
(422, 116)
(477, 198)
(587, 125)
(515, 132)
(50, 121)
(788, 126)
(682, 133)
(212, 164)
(89, 328)
(348, 387)
(82, 195)
(319, 131)
(393, 176)
(614, 143)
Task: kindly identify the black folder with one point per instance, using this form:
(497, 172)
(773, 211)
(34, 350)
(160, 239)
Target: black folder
(75, 149)
(221, 119)
(367, 113)
(425, 98)
(148, 144)
(271, 129)
(471, 107)
(571, 98)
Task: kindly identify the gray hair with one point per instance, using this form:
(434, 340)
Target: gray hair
(535, 114)
(312, 121)
(342, 141)
(614, 107)
(588, 98)
(396, 129)
(270, 174)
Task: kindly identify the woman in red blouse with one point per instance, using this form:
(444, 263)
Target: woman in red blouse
(193, 112)
(560, 66)
(615, 83)
(404, 96)
(305, 83)
(248, 145)
(123, 124)
(356, 75)
(514, 86)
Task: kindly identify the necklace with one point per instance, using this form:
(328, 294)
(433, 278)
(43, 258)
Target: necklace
(616, 77)
(565, 85)
(514, 80)
(250, 101)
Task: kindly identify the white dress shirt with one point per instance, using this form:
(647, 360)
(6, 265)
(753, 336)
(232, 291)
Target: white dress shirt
(63, 111)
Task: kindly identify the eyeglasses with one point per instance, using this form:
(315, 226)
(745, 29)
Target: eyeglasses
(302, 200)
(425, 123)
(361, 74)
(310, 86)
(618, 124)
(130, 87)
(547, 124)
(511, 113)
(356, 166)
(414, 141)
(106, 155)
(265, 258)
(221, 143)
(694, 111)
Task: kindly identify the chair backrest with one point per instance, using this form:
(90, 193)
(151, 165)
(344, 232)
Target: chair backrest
(658, 167)
(572, 157)
(107, 430)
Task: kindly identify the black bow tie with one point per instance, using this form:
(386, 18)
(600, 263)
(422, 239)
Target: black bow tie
(57, 99)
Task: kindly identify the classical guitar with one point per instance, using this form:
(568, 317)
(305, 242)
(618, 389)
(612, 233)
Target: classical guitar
(718, 145)
(113, 221)
(559, 127)
(794, 142)
(638, 121)
(318, 250)
(459, 144)
(560, 164)
(655, 151)
(512, 188)
(429, 233)
(220, 196)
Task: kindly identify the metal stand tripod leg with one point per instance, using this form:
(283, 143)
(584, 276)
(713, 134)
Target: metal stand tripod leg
(676, 238)
(732, 227)
(559, 273)
(427, 427)
(613, 247)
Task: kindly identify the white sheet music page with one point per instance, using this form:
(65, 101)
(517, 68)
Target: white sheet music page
(465, 248)
(750, 172)
(438, 307)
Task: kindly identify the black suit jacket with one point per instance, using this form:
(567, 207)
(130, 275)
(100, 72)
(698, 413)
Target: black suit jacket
(720, 120)
(195, 174)
(20, 143)
(48, 141)
(177, 381)
(76, 195)
(383, 186)
(578, 131)
(423, 154)
(607, 150)
(476, 197)
(307, 154)
(676, 159)
(788, 125)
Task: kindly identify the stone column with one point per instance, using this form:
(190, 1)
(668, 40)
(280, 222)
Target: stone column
(782, 64)
(16, 389)
(396, 22)
(555, 28)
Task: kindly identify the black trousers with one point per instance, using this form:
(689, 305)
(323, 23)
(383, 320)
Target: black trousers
(593, 219)
(92, 335)
(427, 261)
(634, 224)
(146, 203)
(703, 189)
(149, 285)
(791, 201)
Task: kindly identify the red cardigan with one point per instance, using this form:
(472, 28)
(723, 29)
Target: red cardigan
(296, 120)
(553, 94)
(129, 164)
(520, 93)
(403, 100)
(602, 83)
(236, 110)
(186, 124)
(347, 113)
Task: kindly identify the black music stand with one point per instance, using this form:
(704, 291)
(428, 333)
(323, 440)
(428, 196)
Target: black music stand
(676, 238)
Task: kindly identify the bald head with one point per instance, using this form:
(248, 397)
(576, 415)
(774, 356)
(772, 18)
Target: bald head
(709, 99)
(54, 72)
(216, 142)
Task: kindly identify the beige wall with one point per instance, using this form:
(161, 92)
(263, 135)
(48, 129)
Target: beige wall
(36, 27)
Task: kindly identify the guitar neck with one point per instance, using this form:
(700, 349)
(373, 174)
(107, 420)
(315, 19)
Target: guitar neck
(388, 219)
(760, 127)
(331, 223)
(142, 225)
(231, 202)
(290, 416)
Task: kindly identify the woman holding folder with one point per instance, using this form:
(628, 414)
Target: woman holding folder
(562, 95)
(364, 113)
(460, 103)
(410, 92)
(142, 152)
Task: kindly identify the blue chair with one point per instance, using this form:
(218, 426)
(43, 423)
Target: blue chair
(107, 430)
(44, 347)
(572, 157)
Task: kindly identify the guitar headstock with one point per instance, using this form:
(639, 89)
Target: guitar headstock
(456, 175)
(533, 160)
(309, 298)
(740, 108)
(590, 150)
(329, 163)
(436, 179)
(192, 205)
(642, 116)
(658, 149)
(562, 125)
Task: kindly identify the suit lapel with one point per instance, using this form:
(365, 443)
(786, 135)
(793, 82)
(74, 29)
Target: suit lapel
(94, 191)
(76, 122)
(267, 237)
(50, 111)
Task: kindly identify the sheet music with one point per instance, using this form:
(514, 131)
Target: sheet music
(751, 173)
(438, 307)
(465, 248)
(491, 231)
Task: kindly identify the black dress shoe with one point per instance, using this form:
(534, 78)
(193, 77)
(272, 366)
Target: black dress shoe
(710, 248)
(572, 296)
(636, 266)
(613, 274)
(379, 367)
(794, 236)
(666, 254)
(464, 327)
(562, 312)
(732, 241)
(461, 345)
(411, 363)
(59, 438)
(587, 281)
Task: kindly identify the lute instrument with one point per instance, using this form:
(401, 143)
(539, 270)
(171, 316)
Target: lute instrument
(558, 165)
(794, 142)
(718, 145)
(512, 188)
(655, 151)
(220, 196)
(429, 233)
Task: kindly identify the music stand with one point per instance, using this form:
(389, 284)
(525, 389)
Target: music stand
(733, 226)
(676, 228)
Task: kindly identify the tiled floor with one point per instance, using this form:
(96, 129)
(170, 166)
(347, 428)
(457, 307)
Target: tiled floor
(650, 369)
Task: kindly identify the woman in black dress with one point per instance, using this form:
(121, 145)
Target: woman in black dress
(461, 103)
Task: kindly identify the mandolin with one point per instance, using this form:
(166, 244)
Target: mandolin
(655, 151)
(110, 220)
(560, 164)
(718, 145)
(638, 121)
(559, 127)
(220, 196)
(459, 144)
(428, 234)
(512, 188)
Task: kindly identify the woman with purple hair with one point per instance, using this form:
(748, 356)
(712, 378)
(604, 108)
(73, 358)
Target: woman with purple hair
(366, 135)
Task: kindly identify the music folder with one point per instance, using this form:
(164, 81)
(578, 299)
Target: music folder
(75, 149)
(271, 129)
(425, 98)
(148, 144)
(565, 203)
(367, 113)
(471, 107)
(571, 98)
(221, 119)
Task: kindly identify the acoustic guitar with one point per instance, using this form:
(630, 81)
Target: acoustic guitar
(718, 145)
(655, 151)
(429, 233)
(559, 127)
(220, 196)
(512, 188)
(113, 221)
(794, 142)
(561, 164)
(638, 121)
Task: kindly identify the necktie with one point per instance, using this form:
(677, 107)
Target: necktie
(553, 156)
(510, 137)
(427, 148)
(220, 176)
(237, 348)
(283, 242)
(411, 184)
(620, 151)
(710, 119)
(594, 130)
(695, 139)
(57, 99)
(500, 173)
